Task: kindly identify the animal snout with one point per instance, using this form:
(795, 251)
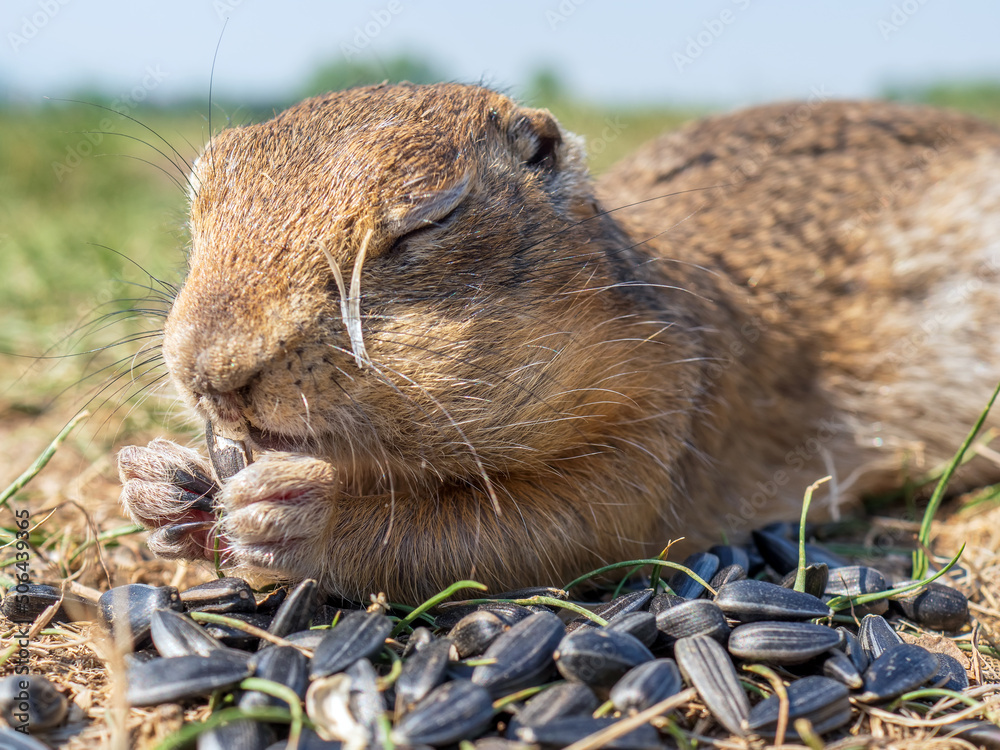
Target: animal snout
(217, 378)
(225, 406)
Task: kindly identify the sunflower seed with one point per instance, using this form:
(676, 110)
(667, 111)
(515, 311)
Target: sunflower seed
(816, 577)
(175, 634)
(750, 600)
(358, 635)
(522, 654)
(729, 555)
(983, 734)
(26, 601)
(309, 639)
(781, 642)
(708, 668)
(664, 601)
(297, 610)
(281, 664)
(366, 703)
(876, 636)
(951, 675)
(646, 685)
(599, 657)
(640, 625)
(419, 638)
(244, 734)
(634, 601)
(32, 700)
(451, 613)
(453, 711)
(935, 606)
(421, 673)
(198, 489)
(141, 657)
(854, 650)
(223, 596)
(127, 611)
(270, 601)
(179, 677)
(703, 564)
(31, 601)
(824, 702)
(838, 666)
(233, 636)
(474, 633)
(899, 669)
(563, 732)
(783, 555)
(227, 456)
(726, 575)
(856, 580)
(562, 700)
(347, 706)
(13, 740)
(693, 617)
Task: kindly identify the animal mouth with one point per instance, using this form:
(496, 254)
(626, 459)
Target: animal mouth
(268, 440)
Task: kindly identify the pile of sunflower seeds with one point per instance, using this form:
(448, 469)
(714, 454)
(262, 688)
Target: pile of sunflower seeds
(509, 674)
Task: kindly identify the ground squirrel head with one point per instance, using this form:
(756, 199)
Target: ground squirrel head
(463, 232)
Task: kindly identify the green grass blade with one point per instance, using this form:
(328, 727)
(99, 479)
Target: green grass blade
(842, 602)
(434, 601)
(633, 563)
(186, 735)
(39, 464)
(800, 573)
(919, 555)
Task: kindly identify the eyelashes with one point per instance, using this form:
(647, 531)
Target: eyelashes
(401, 243)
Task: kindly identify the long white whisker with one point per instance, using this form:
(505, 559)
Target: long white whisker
(350, 303)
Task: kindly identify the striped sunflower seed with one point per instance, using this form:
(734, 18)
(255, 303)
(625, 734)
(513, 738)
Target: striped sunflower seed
(708, 668)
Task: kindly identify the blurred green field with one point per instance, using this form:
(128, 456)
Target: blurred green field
(71, 213)
(83, 215)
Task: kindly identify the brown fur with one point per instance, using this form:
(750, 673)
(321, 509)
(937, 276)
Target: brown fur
(549, 387)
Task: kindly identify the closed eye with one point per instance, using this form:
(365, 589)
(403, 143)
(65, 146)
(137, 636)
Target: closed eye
(425, 231)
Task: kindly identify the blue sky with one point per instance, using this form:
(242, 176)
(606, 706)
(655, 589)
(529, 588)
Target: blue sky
(727, 52)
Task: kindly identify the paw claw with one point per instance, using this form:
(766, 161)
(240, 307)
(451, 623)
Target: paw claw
(183, 541)
(168, 489)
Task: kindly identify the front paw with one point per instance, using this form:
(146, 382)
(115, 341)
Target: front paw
(278, 514)
(169, 490)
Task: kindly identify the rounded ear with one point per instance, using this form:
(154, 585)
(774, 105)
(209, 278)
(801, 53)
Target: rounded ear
(535, 137)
